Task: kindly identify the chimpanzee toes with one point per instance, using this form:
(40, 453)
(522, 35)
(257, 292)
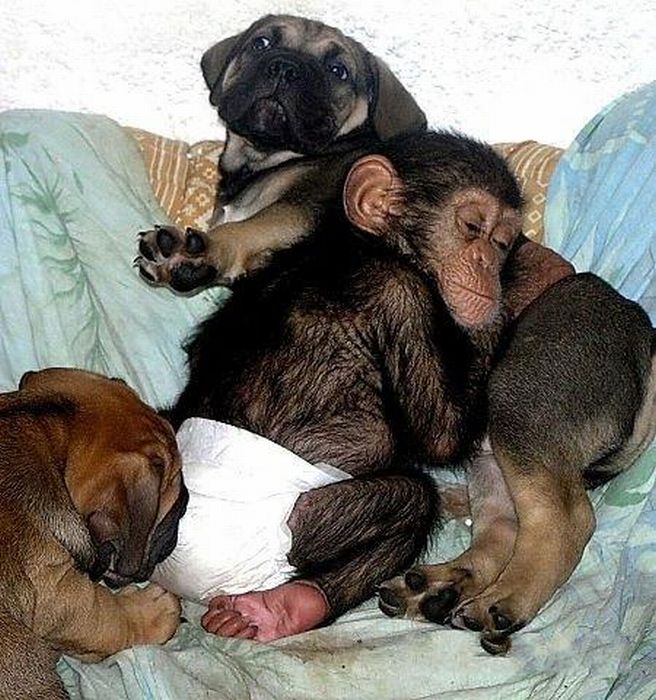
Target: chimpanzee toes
(415, 581)
(438, 607)
(390, 602)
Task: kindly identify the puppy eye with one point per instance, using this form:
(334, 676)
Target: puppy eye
(338, 70)
(501, 244)
(261, 43)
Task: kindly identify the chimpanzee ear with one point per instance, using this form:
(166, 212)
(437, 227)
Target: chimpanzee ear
(372, 193)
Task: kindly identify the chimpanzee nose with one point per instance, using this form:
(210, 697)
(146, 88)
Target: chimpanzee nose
(283, 69)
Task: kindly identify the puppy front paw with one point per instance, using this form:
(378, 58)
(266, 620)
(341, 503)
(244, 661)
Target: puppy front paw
(154, 614)
(169, 256)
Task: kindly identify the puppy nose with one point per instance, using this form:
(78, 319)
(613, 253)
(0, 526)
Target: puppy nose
(283, 69)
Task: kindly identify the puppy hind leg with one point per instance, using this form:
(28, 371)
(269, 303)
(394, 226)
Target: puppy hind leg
(432, 591)
(556, 521)
(346, 538)
(644, 431)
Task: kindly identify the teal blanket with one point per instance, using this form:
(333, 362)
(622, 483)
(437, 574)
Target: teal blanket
(73, 194)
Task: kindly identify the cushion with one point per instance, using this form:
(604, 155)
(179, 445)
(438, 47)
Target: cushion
(73, 195)
(185, 178)
(74, 190)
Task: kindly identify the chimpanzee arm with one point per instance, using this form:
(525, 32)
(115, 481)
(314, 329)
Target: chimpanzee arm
(434, 372)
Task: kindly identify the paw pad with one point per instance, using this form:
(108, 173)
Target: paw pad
(437, 608)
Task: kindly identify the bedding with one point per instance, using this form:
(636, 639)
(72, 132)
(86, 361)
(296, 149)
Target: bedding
(74, 189)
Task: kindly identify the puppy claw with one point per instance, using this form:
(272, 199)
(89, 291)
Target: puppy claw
(501, 622)
(496, 644)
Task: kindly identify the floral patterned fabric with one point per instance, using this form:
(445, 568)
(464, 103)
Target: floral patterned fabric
(73, 195)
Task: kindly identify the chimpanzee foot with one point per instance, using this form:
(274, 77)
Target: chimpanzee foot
(428, 592)
(288, 609)
(169, 256)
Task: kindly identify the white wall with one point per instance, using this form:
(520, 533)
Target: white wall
(497, 69)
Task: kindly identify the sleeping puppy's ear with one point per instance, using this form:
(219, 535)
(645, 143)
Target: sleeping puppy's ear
(393, 111)
(122, 527)
(142, 500)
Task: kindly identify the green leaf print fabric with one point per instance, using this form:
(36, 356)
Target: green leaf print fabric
(73, 194)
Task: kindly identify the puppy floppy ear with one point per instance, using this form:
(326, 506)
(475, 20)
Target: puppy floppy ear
(215, 61)
(142, 488)
(123, 523)
(393, 111)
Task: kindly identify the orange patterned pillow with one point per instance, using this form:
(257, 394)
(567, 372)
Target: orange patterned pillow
(533, 164)
(185, 178)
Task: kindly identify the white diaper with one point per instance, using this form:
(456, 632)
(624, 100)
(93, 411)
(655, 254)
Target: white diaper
(242, 487)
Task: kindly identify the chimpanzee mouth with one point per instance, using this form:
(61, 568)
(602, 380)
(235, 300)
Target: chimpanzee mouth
(475, 292)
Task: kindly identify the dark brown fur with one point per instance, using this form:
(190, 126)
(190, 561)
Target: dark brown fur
(343, 351)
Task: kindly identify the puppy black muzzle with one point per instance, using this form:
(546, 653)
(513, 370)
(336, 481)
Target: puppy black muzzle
(282, 101)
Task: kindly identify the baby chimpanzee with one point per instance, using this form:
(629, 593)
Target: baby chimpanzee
(367, 345)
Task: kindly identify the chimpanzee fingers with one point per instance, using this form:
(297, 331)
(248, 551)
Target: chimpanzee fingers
(212, 620)
(233, 627)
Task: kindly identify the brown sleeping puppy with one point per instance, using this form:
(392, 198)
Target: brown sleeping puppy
(90, 485)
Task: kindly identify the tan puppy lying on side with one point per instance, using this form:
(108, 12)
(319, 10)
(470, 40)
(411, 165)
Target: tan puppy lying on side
(90, 485)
